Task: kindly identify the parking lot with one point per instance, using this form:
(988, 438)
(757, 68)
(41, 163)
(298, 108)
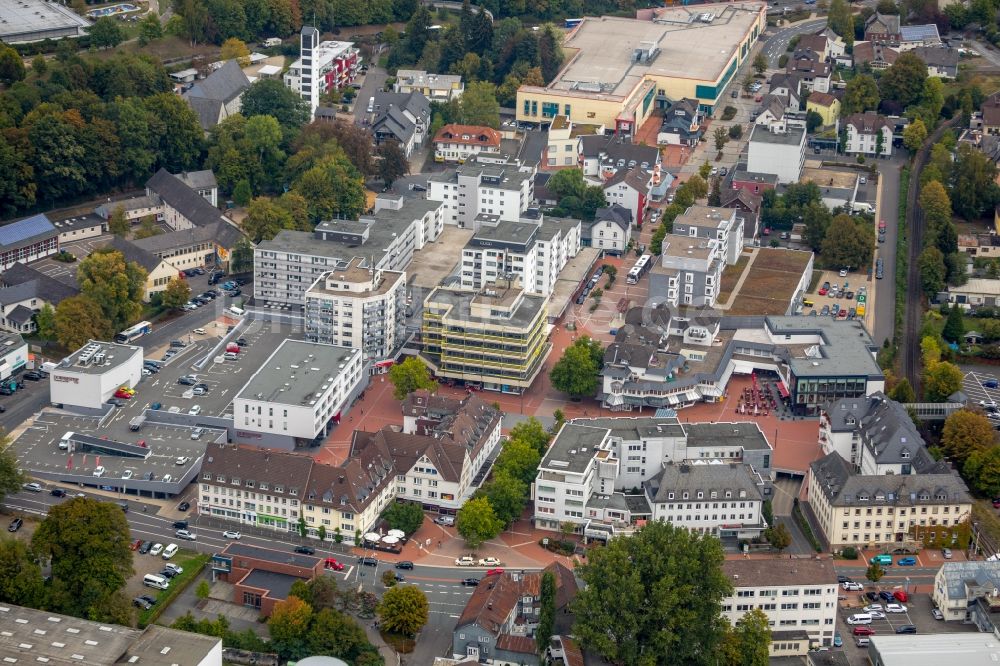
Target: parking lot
(852, 284)
(66, 272)
(981, 388)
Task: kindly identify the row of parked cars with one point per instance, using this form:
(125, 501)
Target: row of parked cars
(590, 285)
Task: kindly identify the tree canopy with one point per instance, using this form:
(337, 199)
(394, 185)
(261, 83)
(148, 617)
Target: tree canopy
(576, 372)
(410, 375)
(966, 432)
(404, 609)
(116, 285)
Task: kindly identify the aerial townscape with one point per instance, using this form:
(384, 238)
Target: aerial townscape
(506, 332)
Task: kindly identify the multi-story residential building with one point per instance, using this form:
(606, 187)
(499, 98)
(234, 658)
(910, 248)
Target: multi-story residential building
(885, 510)
(876, 435)
(500, 618)
(629, 188)
(359, 307)
(800, 594)
(868, 133)
(782, 154)
(404, 118)
(322, 67)
(477, 187)
(813, 74)
(704, 241)
(609, 475)
(286, 266)
(826, 105)
(457, 143)
(883, 28)
(435, 87)
(660, 360)
(444, 451)
(298, 394)
(535, 251)
(27, 240)
(787, 87)
(610, 231)
(495, 337)
(565, 139)
(960, 586)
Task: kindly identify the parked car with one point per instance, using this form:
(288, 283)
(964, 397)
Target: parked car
(145, 548)
(183, 460)
(937, 614)
(946, 553)
(884, 594)
(489, 562)
(907, 562)
(465, 561)
(863, 631)
(184, 506)
(872, 596)
(895, 608)
(32, 376)
(139, 602)
(851, 586)
(15, 525)
(305, 550)
(156, 549)
(906, 629)
(878, 608)
(368, 561)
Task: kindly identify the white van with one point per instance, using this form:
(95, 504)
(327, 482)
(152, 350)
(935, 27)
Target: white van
(862, 641)
(236, 311)
(64, 442)
(154, 581)
(859, 618)
(172, 549)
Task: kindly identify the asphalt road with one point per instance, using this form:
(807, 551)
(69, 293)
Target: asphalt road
(778, 42)
(885, 301)
(374, 81)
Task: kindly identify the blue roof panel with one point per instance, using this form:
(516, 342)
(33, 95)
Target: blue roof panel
(913, 33)
(22, 230)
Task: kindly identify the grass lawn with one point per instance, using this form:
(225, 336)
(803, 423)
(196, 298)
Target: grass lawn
(730, 276)
(192, 563)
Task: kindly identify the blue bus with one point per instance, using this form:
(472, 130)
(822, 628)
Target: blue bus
(572, 23)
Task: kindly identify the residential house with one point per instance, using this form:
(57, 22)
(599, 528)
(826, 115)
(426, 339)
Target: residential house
(681, 123)
(876, 435)
(159, 273)
(991, 115)
(813, 74)
(868, 133)
(563, 145)
(779, 153)
(817, 43)
(27, 240)
(24, 292)
(435, 87)
(178, 205)
(500, 618)
(218, 96)
(787, 87)
(772, 114)
(875, 55)
(629, 188)
(958, 586)
(401, 117)
(457, 143)
(748, 206)
(835, 45)
(741, 178)
(883, 28)
(915, 36)
(826, 105)
(941, 61)
(610, 231)
(799, 594)
(882, 510)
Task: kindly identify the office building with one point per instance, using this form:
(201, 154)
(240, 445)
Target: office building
(89, 377)
(298, 394)
(495, 337)
(358, 307)
(478, 187)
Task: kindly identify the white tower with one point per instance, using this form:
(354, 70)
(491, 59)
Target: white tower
(310, 68)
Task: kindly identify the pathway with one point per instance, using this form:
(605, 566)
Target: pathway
(739, 283)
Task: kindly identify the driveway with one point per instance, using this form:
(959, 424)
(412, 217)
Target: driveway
(374, 81)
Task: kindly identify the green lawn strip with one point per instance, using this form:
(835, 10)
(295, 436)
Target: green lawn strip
(192, 563)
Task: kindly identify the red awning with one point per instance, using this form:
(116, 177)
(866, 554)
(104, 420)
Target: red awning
(782, 390)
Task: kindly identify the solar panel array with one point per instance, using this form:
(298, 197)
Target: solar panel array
(22, 230)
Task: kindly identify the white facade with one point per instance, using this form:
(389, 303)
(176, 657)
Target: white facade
(780, 154)
(435, 87)
(629, 194)
(299, 390)
(14, 355)
(91, 375)
(959, 584)
(610, 236)
(321, 67)
(862, 142)
(504, 190)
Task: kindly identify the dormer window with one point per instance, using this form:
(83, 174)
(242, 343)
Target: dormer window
(250, 483)
(905, 455)
(863, 498)
(701, 495)
(684, 496)
(279, 489)
(670, 496)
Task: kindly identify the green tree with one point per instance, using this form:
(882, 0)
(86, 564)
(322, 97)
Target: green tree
(404, 610)
(903, 82)
(532, 431)
(930, 263)
(289, 625)
(241, 260)
(11, 477)
(705, 170)
(176, 294)
(748, 643)
(914, 135)
(477, 522)
(392, 162)
(721, 137)
(79, 319)
(941, 380)
(21, 581)
(903, 392)
(45, 321)
(149, 29)
(478, 105)
(760, 64)
(321, 532)
(106, 33)
(118, 286)
(331, 187)
(874, 572)
(117, 223)
(405, 516)
(654, 597)
(12, 67)
(778, 536)
(87, 543)
(302, 528)
(507, 495)
(813, 121)
(519, 459)
(965, 432)
(576, 373)
(954, 327)
(982, 470)
(39, 65)
(974, 190)
(270, 97)
(550, 52)
(389, 578)
(848, 243)
(840, 18)
(179, 135)
(337, 635)
(203, 590)
(546, 612)
(242, 193)
(409, 376)
(861, 94)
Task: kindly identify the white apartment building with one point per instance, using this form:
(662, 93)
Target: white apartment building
(797, 594)
(289, 264)
(477, 187)
(90, 376)
(321, 67)
(630, 189)
(867, 133)
(435, 87)
(780, 154)
(359, 307)
(533, 250)
(609, 475)
(298, 394)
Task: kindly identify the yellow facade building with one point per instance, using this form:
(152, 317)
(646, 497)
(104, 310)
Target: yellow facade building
(618, 70)
(826, 105)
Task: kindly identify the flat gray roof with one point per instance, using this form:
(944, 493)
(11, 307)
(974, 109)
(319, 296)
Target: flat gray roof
(86, 359)
(847, 347)
(746, 435)
(461, 306)
(792, 137)
(27, 635)
(573, 448)
(636, 427)
(278, 585)
(19, 19)
(296, 372)
(162, 646)
(973, 649)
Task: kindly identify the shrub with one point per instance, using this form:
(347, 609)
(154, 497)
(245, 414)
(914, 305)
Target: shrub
(729, 113)
(849, 553)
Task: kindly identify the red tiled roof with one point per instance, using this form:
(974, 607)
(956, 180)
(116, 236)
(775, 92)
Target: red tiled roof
(519, 644)
(471, 135)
